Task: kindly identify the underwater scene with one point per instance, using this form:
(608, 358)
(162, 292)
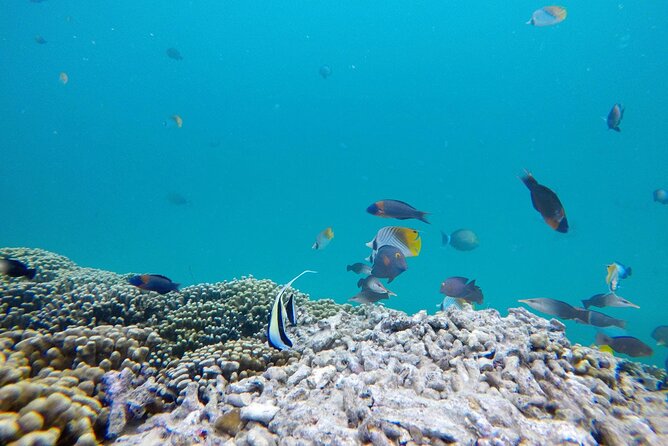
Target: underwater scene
(483, 163)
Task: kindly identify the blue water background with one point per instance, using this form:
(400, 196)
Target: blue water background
(440, 104)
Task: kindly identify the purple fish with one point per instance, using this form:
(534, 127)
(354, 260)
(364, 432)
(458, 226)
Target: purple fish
(461, 288)
(615, 117)
(389, 263)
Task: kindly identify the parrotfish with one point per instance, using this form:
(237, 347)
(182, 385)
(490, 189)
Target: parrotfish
(461, 239)
(389, 263)
(372, 283)
(276, 335)
(396, 209)
(548, 15)
(407, 240)
(16, 268)
(359, 268)
(615, 117)
(173, 53)
(154, 282)
(661, 195)
(607, 300)
(325, 71)
(552, 307)
(462, 288)
(627, 345)
(546, 203)
(660, 334)
(323, 238)
(616, 272)
(598, 319)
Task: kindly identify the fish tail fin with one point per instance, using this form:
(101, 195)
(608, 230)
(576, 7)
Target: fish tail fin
(349, 267)
(422, 216)
(445, 238)
(30, 273)
(585, 303)
(622, 324)
(629, 271)
(617, 129)
(602, 338)
(529, 22)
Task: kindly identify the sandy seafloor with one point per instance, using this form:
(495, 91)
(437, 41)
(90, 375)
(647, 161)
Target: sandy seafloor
(86, 358)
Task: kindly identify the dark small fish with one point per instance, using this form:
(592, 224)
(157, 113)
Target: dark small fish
(627, 345)
(547, 203)
(461, 288)
(396, 209)
(15, 268)
(177, 199)
(615, 117)
(372, 283)
(552, 307)
(660, 334)
(325, 71)
(389, 263)
(661, 195)
(607, 300)
(359, 268)
(461, 239)
(173, 53)
(154, 282)
(39, 39)
(598, 319)
(368, 297)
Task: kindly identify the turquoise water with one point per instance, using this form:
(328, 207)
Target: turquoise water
(440, 104)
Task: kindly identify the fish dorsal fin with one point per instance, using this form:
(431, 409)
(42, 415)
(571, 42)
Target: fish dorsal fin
(160, 276)
(402, 202)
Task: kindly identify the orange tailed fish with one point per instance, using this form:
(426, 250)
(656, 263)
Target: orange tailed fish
(547, 203)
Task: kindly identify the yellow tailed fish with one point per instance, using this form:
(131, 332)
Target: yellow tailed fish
(276, 336)
(407, 240)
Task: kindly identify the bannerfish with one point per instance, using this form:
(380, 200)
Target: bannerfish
(616, 272)
(461, 288)
(396, 209)
(607, 300)
(598, 319)
(359, 268)
(323, 238)
(40, 40)
(154, 282)
(548, 15)
(661, 195)
(547, 204)
(325, 71)
(276, 335)
(660, 334)
(407, 240)
(16, 268)
(461, 239)
(552, 307)
(173, 53)
(372, 283)
(627, 345)
(615, 117)
(389, 263)
(368, 297)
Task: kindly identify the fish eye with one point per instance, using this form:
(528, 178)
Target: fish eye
(397, 255)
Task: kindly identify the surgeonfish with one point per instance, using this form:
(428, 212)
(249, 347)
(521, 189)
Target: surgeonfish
(154, 282)
(407, 240)
(548, 15)
(615, 117)
(552, 307)
(461, 239)
(16, 268)
(461, 288)
(607, 300)
(63, 77)
(325, 71)
(616, 272)
(359, 268)
(627, 345)
(396, 209)
(276, 335)
(660, 334)
(173, 53)
(661, 195)
(323, 238)
(389, 263)
(598, 319)
(368, 297)
(372, 283)
(546, 203)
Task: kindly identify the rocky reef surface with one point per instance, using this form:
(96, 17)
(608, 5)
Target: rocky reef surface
(86, 358)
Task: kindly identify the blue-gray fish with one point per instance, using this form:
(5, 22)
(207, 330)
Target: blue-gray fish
(660, 334)
(461, 239)
(359, 268)
(552, 307)
(368, 297)
(607, 300)
(598, 319)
